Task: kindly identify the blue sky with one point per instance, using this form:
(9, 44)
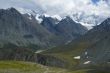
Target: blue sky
(95, 1)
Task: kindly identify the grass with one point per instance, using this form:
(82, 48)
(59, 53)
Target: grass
(19, 67)
(27, 67)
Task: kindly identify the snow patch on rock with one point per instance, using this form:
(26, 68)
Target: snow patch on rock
(57, 17)
(39, 51)
(87, 62)
(77, 57)
(38, 18)
(86, 53)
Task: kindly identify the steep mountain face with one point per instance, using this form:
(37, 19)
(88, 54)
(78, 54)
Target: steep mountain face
(66, 28)
(99, 52)
(21, 35)
(49, 23)
(70, 29)
(21, 30)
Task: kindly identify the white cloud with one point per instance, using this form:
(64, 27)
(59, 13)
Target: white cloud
(68, 7)
(26, 4)
(61, 7)
(56, 7)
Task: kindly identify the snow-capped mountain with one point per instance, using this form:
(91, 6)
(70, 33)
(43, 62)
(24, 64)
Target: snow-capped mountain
(24, 28)
(39, 17)
(88, 20)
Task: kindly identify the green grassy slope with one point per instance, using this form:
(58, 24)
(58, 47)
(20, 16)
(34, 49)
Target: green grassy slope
(28, 67)
(68, 52)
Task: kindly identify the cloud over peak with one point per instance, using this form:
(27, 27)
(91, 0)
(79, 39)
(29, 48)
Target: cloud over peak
(61, 7)
(88, 9)
(69, 7)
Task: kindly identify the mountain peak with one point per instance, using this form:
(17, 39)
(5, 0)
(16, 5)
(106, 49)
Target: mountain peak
(107, 21)
(13, 10)
(104, 26)
(9, 11)
(68, 18)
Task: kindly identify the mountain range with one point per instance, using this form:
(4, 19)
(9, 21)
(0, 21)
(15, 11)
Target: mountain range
(87, 20)
(24, 31)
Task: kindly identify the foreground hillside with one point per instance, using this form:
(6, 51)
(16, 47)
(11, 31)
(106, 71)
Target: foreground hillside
(28, 67)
